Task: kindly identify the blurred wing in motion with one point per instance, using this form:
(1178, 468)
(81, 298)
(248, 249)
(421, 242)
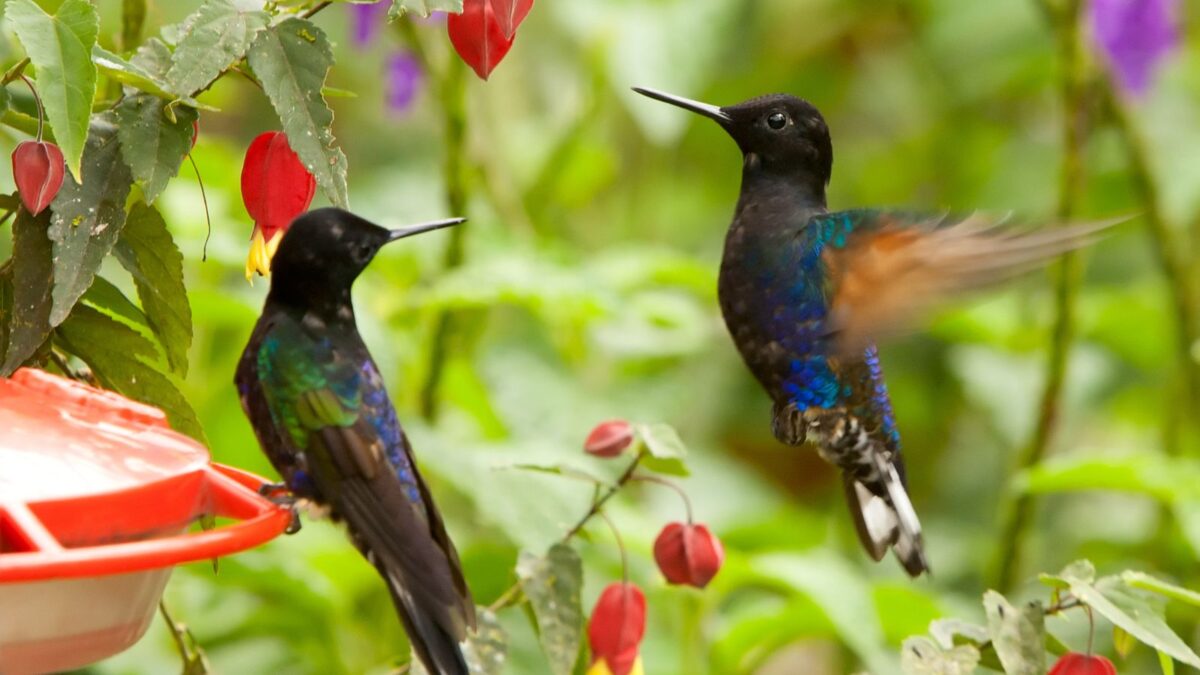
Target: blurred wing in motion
(892, 267)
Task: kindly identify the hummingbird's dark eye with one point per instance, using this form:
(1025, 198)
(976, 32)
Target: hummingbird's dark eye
(777, 121)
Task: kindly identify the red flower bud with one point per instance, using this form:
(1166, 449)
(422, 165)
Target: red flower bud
(616, 627)
(275, 189)
(38, 172)
(688, 554)
(1082, 664)
(609, 439)
(510, 14)
(478, 36)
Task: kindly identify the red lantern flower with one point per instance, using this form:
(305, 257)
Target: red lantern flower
(38, 172)
(275, 189)
(1072, 663)
(483, 33)
(688, 554)
(609, 439)
(616, 628)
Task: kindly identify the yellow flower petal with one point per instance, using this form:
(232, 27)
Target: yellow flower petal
(258, 260)
(600, 667)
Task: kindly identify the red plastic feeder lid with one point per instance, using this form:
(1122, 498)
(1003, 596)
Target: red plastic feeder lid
(92, 483)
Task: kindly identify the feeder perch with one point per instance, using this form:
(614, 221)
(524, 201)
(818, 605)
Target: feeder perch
(97, 495)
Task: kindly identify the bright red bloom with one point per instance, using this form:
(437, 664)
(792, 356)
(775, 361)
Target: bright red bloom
(616, 627)
(1072, 663)
(688, 554)
(38, 172)
(275, 189)
(483, 33)
(609, 439)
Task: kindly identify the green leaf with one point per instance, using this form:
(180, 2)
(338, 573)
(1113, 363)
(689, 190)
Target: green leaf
(291, 60)
(553, 585)
(1148, 583)
(32, 279)
(423, 7)
(120, 358)
(666, 450)
(949, 632)
(153, 59)
(1079, 571)
(1017, 635)
(1125, 608)
(152, 145)
(106, 297)
(922, 656)
(1123, 642)
(1166, 664)
(60, 47)
(147, 250)
(217, 36)
(133, 74)
(87, 218)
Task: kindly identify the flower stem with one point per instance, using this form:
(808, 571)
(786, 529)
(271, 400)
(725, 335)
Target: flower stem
(1019, 511)
(687, 503)
(620, 545)
(38, 100)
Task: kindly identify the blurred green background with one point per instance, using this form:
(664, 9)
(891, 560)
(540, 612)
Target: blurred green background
(588, 292)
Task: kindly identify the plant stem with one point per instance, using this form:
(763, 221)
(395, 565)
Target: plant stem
(316, 8)
(1020, 510)
(38, 100)
(687, 503)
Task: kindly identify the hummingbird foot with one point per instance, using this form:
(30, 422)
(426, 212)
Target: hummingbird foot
(278, 493)
(788, 424)
(843, 441)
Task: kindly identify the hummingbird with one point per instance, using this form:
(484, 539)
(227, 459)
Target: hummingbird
(321, 413)
(807, 293)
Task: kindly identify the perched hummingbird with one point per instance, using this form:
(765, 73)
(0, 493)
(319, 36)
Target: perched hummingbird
(319, 408)
(806, 293)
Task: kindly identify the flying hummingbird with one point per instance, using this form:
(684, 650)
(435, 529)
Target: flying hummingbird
(319, 408)
(806, 293)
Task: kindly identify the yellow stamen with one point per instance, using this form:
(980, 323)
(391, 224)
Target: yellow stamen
(261, 253)
(600, 667)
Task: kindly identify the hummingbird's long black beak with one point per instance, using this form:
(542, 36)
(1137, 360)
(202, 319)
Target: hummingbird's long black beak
(403, 232)
(709, 111)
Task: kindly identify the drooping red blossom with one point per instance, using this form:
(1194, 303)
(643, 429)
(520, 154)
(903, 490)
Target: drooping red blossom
(510, 14)
(1073, 663)
(688, 554)
(275, 189)
(616, 627)
(38, 172)
(609, 439)
(483, 33)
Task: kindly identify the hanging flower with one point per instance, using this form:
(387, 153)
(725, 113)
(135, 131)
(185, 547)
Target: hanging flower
(688, 554)
(615, 630)
(1073, 663)
(609, 439)
(1135, 36)
(404, 77)
(365, 20)
(38, 172)
(483, 33)
(275, 189)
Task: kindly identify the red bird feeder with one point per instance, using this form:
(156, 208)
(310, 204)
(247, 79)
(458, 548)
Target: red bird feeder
(97, 495)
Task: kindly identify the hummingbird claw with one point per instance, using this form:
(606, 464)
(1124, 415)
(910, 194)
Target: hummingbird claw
(279, 494)
(788, 424)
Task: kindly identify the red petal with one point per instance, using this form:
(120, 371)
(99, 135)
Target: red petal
(510, 14)
(478, 37)
(1072, 663)
(688, 554)
(609, 439)
(38, 170)
(617, 625)
(275, 185)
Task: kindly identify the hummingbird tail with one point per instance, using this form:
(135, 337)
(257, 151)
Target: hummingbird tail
(439, 651)
(884, 518)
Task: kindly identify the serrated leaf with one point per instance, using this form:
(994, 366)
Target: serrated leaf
(1080, 571)
(137, 77)
(217, 35)
(1124, 607)
(291, 60)
(106, 297)
(152, 145)
(120, 359)
(32, 278)
(553, 584)
(87, 218)
(60, 47)
(148, 252)
(921, 656)
(153, 58)
(950, 632)
(1017, 635)
(665, 449)
(423, 7)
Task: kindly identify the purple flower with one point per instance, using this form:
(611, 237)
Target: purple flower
(365, 20)
(1135, 35)
(403, 80)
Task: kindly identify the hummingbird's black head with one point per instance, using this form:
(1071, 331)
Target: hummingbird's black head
(777, 133)
(325, 250)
